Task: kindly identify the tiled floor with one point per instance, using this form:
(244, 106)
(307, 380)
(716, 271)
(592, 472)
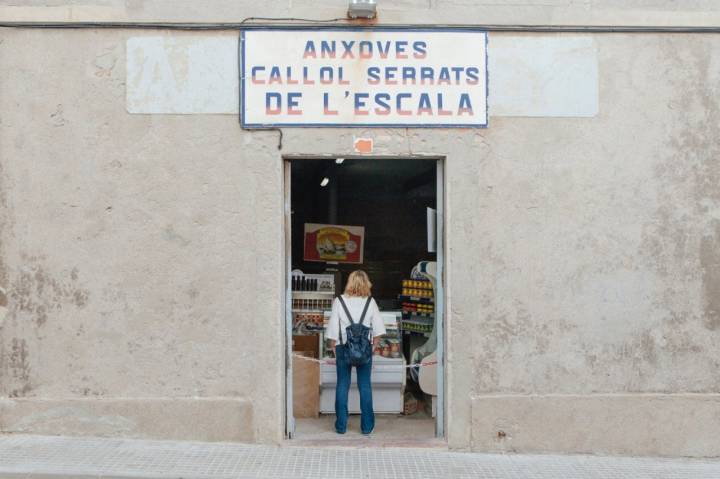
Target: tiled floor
(62, 457)
(417, 430)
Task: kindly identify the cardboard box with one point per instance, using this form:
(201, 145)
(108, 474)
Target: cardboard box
(306, 343)
(306, 386)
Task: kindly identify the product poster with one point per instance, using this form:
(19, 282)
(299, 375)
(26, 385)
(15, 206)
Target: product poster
(334, 243)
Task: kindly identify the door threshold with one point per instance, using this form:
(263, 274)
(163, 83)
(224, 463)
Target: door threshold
(358, 441)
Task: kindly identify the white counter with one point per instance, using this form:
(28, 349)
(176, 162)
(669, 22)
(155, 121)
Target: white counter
(388, 385)
(388, 380)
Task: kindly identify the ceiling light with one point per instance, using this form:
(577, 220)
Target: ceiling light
(362, 9)
(339, 161)
(325, 181)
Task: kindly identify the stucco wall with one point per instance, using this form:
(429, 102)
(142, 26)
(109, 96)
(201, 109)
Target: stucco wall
(594, 258)
(142, 257)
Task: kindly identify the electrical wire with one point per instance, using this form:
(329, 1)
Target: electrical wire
(280, 22)
(172, 25)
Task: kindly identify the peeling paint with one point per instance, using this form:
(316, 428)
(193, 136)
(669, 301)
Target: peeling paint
(19, 368)
(57, 117)
(170, 234)
(3, 305)
(710, 263)
(36, 293)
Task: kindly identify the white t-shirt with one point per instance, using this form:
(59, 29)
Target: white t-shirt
(355, 305)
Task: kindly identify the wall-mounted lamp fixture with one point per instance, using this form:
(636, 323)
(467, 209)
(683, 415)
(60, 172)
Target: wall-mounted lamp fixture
(325, 181)
(362, 9)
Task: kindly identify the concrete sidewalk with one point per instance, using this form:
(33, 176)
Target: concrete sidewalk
(64, 457)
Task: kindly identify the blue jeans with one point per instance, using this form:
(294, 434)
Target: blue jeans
(367, 416)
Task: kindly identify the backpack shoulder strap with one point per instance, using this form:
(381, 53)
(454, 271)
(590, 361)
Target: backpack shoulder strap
(367, 305)
(347, 311)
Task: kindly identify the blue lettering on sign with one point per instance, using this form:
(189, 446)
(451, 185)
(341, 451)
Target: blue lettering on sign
(382, 100)
(328, 49)
(360, 99)
(350, 74)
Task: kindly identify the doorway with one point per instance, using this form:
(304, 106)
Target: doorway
(384, 216)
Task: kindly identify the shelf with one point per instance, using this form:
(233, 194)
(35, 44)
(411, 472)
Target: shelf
(414, 314)
(313, 293)
(309, 331)
(423, 321)
(418, 327)
(416, 299)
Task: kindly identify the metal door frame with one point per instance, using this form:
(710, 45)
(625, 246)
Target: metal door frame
(287, 212)
(440, 298)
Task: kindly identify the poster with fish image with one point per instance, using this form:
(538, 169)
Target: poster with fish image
(334, 243)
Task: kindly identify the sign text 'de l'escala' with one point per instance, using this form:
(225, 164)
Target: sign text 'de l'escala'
(367, 77)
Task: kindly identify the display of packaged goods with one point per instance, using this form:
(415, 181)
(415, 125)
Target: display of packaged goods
(313, 282)
(418, 307)
(404, 298)
(388, 348)
(307, 323)
(417, 288)
(390, 345)
(312, 292)
(417, 293)
(420, 316)
(417, 284)
(314, 304)
(417, 326)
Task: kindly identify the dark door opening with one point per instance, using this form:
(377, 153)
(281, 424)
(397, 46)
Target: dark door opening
(378, 215)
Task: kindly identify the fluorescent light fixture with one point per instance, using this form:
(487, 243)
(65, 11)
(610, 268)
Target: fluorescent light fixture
(325, 181)
(362, 9)
(339, 161)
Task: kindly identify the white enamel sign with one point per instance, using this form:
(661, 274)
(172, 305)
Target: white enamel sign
(363, 78)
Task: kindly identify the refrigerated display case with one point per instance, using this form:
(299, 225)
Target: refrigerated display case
(388, 375)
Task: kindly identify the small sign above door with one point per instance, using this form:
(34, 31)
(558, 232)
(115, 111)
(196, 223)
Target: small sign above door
(345, 77)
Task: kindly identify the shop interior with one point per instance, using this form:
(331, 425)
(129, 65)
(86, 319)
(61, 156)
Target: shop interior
(377, 215)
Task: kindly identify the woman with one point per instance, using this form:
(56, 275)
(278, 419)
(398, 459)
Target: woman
(357, 292)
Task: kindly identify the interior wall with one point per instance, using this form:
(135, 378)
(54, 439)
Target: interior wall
(387, 198)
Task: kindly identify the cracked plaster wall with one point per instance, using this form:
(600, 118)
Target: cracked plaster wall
(142, 254)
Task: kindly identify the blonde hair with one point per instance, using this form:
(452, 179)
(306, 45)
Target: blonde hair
(358, 284)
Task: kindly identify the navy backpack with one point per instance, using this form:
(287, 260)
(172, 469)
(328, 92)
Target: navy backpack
(359, 347)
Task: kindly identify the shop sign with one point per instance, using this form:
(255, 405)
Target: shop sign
(344, 77)
(334, 243)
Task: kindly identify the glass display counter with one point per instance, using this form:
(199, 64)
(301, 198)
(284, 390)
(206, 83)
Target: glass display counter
(388, 375)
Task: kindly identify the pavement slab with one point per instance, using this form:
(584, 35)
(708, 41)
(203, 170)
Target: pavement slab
(44, 457)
